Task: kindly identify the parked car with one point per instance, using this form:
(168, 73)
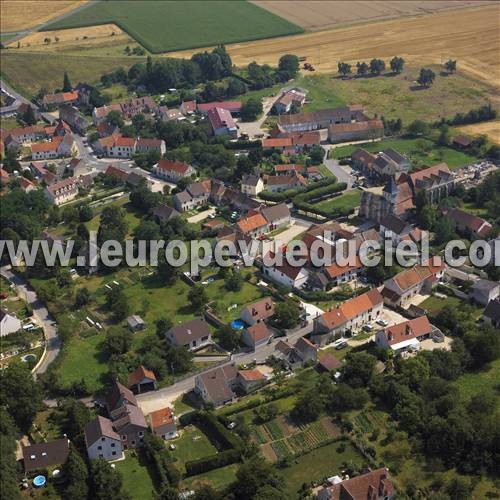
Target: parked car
(368, 327)
(382, 322)
(341, 345)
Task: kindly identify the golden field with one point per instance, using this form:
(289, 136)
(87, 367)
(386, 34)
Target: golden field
(469, 35)
(24, 14)
(490, 129)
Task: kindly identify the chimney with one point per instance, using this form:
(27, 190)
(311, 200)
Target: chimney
(408, 330)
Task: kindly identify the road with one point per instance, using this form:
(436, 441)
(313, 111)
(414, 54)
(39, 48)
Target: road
(253, 129)
(151, 401)
(41, 314)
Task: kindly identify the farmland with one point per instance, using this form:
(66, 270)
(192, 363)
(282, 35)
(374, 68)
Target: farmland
(23, 14)
(175, 25)
(419, 40)
(490, 129)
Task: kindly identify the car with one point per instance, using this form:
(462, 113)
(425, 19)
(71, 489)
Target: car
(382, 322)
(341, 345)
(231, 425)
(211, 216)
(172, 446)
(367, 327)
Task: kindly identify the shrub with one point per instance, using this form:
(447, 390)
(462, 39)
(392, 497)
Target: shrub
(212, 462)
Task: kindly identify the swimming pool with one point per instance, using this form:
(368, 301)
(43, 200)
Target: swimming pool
(39, 481)
(237, 324)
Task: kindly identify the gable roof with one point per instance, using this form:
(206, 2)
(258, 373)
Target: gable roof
(472, 222)
(278, 142)
(276, 212)
(408, 330)
(139, 374)
(42, 455)
(189, 331)
(336, 270)
(161, 417)
(174, 166)
(394, 224)
(217, 382)
(261, 309)
(250, 180)
(117, 392)
(427, 177)
(129, 415)
(336, 128)
(220, 117)
(230, 106)
(251, 375)
(98, 428)
(492, 310)
(251, 223)
(259, 332)
(329, 362)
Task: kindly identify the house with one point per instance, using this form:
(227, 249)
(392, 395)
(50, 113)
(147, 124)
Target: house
(391, 162)
(102, 441)
(289, 169)
(200, 191)
(222, 122)
(61, 129)
(41, 456)
(282, 144)
(288, 99)
(233, 107)
(84, 93)
(74, 119)
(172, 171)
(23, 108)
(116, 172)
(373, 485)
(364, 161)
(105, 129)
(64, 190)
(138, 105)
(25, 135)
(256, 335)
(183, 201)
(141, 380)
(407, 335)
(118, 396)
(216, 387)
(314, 120)
(420, 279)
(303, 141)
(171, 115)
(191, 335)
(135, 323)
(8, 323)
(162, 423)
(254, 225)
(99, 114)
(144, 146)
(277, 183)
(394, 229)
(337, 274)
(116, 146)
(77, 167)
(252, 185)
(491, 314)
(286, 274)
(484, 291)
(329, 363)
(250, 379)
(187, 107)
(163, 213)
(294, 356)
(4, 177)
(58, 147)
(257, 312)
(26, 185)
(461, 142)
(349, 316)
(356, 131)
(468, 224)
(51, 100)
(276, 215)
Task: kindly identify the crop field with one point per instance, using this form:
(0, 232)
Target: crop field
(317, 14)
(490, 129)
(162, 26)
(23, 14)
(468, 35)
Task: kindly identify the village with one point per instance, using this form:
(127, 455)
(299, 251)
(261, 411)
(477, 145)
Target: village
(197, 374)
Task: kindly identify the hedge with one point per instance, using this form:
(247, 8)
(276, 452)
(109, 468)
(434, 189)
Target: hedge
(301, 201)
(322, 296)
(221, 437)
(212, 462)
(291, 194)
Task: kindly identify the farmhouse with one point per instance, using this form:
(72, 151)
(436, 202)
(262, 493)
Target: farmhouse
(116, 146)
(74, 119)
(337, 274)
(77, 167)
(254, 225)
(163, 213)
(295, 356)
(102, 441)
(216, 387)
(116, 172)
(356, 131)
(172, 170)
(222, 122)
(22, 135)
(252, 185)
(50, 100)
(257, 312)
(187, 107)
(41, 456)
(277, 183)
(191, 335)
(233, 107)
(8, 323)
(144, 145)
(285, 274)
(249, 379)
(288, 99)
(100, 114)
(163, 423)
(484, 291)
(393, 228)
(468, 224)
(138, 105)
(314, 120)
(491, 314)
(349, 316)
(276, 215)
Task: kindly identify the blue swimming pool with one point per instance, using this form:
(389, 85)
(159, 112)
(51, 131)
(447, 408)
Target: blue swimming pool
(39, 481)
(237, 324)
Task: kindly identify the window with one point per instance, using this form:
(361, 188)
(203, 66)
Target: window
(141, 433)
(124, 438)
(112, 445)
(99, 447)
(113, 453)
(133, 442)
(205, 337)
(102, 439)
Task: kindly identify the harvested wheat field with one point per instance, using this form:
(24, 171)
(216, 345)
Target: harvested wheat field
(468, 35)
(64, 39)
(490, 129)
(24, 14)
(316, 15)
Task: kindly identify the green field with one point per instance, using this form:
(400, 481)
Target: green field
(136, 479)
(175, 25)
(349, 200)
(420, 152)
(486, 379)
(192, 445)
(218, 478)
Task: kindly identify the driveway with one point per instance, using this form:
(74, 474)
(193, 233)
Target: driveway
(341, 172)
(155, 400)
(254, 128)
(53, 342)
(296, 228)
(201, 216)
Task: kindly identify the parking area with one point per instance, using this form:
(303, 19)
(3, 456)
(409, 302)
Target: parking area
(392, 317)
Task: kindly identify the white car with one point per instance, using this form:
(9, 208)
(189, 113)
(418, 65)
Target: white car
(382, 322)
(231, 425)
(368, 327)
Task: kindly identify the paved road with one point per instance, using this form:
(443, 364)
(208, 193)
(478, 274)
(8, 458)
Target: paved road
(155, 400)
(41, 314)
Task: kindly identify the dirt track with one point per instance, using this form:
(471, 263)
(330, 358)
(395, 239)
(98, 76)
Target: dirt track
(469, 35)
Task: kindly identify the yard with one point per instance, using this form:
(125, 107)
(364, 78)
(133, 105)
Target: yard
(420, 152)
(132, 216)
(176, 25)
(348, 200)
(191, 445)
(485, 379)
(217, 478)
(137, 481)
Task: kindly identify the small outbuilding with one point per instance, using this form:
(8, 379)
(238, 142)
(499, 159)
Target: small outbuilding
(136, 323)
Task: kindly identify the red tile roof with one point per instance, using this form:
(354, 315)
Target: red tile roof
(335, 270)
(280, 142)
(231, 106)
(173, 166)
(259, 332)
(251, 375)
(408, 330)
(139, 374)
(161, 417)
(251, 223)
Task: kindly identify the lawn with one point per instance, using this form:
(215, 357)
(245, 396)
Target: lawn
(218, 478)
(191, 445)
(9, 123)
(175, 25)
(136, 479)
(393, 96)
(318, 464)
(435, 304)
(132, 216)
(420, 152)
(485, 379)
(349, 200)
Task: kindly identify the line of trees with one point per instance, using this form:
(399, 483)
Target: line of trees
(374, 67)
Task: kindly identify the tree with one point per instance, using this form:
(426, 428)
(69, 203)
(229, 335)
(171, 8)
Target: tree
(253, 475)
(233, 280)
(362, 68)
(444, 230)
(82, 297)
(426, 77)
(344, 68)
(117, 303)
(20, 394)
(206, 492)
(9, 485)
(118, 341)
(309, 406)
(289, 66)
(29, 116)
(377, 66)
(85, 213)
(427, 217)
(316, 154)
(228, 338)
(63, 277)
(72, 416)
(235, 87)
(451, 65)
(198, 297)
(358, 369)
(444, 135)
(67, 87)
(397, 64)
(76, 474)
(114, 118)
(418, 128)
(459, 488)
(166, 273)
(162, 326)
(178, 359)
(251, 110)
(287, 314)
(106, 482)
